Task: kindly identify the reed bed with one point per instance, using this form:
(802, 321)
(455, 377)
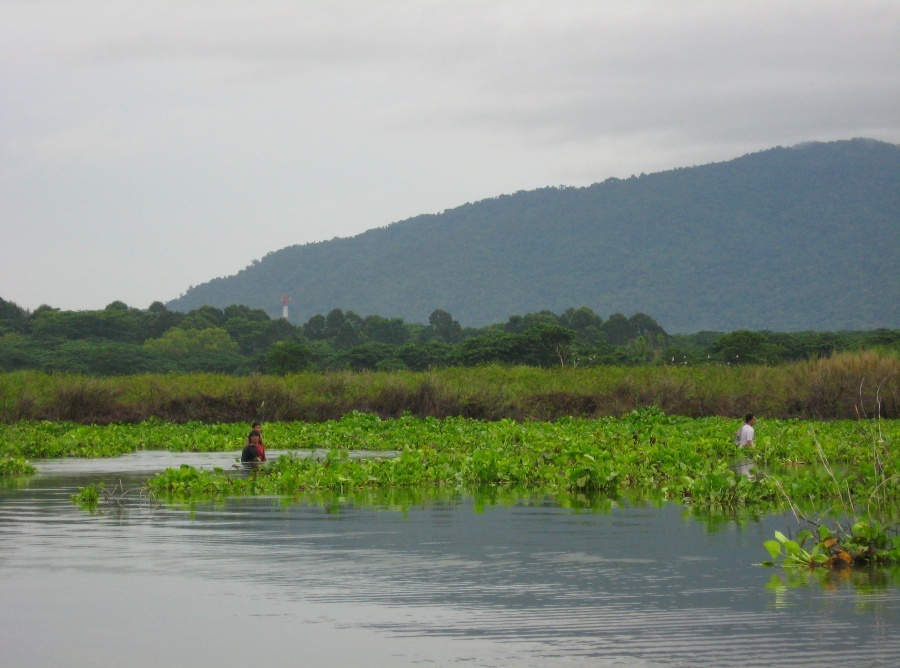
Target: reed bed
(845, 386)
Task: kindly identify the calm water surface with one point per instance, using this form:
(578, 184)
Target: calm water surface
(451, 581)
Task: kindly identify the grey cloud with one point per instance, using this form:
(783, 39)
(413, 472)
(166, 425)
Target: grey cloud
(308, 119)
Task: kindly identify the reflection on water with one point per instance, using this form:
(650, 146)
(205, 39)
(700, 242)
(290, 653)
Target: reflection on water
(154, 461)
(409, 578)
(866, 582)
(746, 467)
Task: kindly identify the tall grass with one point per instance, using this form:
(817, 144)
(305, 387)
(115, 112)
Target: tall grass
(847, 385)
(860, 384)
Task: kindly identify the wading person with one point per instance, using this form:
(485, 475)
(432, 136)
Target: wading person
(745, 435)
(257, 427)
(253, 451)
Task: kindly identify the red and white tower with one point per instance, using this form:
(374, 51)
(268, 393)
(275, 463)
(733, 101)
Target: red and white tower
(284, 306)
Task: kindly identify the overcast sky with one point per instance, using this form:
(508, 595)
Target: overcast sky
(150, 146)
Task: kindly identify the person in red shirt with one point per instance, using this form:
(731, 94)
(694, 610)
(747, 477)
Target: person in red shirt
(256, 426)
(254, 450)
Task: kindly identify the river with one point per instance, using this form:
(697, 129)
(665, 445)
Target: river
(437, 581)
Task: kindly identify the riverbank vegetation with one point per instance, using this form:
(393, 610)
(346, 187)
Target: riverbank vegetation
(671, 456)
(649, 431)
(843, 386)
(645, 452)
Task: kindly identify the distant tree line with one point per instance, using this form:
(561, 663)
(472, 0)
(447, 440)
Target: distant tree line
(239, 340)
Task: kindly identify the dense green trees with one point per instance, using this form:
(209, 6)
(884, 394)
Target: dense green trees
(13, 318)
(618, 330)
(179, 344)
(745, 347)
(239, 340)
(444, 327)
(288, 357)
(385, 330)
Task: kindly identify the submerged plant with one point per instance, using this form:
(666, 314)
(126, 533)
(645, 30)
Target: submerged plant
(87, 498)
(93, 496)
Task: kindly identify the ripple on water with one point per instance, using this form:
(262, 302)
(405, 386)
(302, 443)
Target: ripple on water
(509, 585)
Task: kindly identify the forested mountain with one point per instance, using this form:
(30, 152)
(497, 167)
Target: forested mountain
(801, 238)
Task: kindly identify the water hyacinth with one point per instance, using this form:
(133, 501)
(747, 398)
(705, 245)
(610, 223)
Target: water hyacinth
(15, 466)
(672, 457)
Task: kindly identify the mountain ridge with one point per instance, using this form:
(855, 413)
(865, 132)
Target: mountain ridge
(785, 239)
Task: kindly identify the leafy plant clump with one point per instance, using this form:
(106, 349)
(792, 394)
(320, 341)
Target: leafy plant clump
(88, 498)
(861, 544)
(15, 466)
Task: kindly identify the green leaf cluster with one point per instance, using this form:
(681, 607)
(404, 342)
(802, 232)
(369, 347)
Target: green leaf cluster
(15, 466)
(865, 542)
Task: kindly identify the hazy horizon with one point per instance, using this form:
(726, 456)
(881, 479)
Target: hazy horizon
(150, 147)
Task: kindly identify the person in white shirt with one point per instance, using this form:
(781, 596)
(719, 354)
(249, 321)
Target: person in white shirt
(747, 433)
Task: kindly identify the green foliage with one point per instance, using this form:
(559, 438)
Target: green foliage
(288, 357)
(618, 330)
(178, 344)
(105, 358)
(443, 327)
(88, 498)
(745, 347)
(67, 439)
(115, 323)
(217, 361)
(542, 344)
(371, 356)
(580, 319)
(863, 543)
(859, 542)
(425, 355)
(15, 466)
(670, 457)
(13, 318)
(847, 385)
(665, 457)
(158, 320)
(494, 347)
(238, 340)
(391, 331)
